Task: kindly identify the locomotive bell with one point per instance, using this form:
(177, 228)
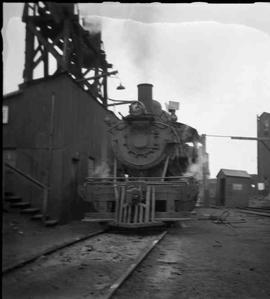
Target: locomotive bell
(137, 109)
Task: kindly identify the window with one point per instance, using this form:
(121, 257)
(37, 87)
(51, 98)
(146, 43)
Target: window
(5, 114)
(261, 186)
(10, 156)
(237, 187)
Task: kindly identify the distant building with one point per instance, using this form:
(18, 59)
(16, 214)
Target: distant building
(53, 131)
(233, 188)
(263, 131)
(212, 189)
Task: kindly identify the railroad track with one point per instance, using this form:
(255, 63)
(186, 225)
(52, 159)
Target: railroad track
(257, 211)
(49, 251)
(93, 268)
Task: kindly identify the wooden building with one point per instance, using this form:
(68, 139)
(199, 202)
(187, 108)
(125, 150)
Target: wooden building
(54, 132)
(233, 188)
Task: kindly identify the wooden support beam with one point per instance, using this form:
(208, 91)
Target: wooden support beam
(29, 54)
(69, 44)
(37, 50)
(46, 64)
(49, 47)
(66, 42)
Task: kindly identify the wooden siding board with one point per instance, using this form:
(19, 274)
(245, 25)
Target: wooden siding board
(234, 198)
(80, 130)
(28, 120)
(237, 198)
(78, 127)
(263, 151)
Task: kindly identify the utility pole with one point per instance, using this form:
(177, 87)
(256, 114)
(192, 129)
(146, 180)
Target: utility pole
(205, 172)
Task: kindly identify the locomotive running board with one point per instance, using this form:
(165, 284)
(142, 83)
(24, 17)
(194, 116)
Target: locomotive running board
(173, 219)
(98, 217)
(96, 220)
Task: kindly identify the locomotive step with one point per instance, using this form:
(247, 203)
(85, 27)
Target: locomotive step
(20, 205)
(30, 211)
(13, 198)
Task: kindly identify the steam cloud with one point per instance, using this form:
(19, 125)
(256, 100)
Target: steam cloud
(196, 169)
(102, 171)
(93, 24)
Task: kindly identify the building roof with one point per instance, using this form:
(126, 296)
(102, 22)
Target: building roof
(235, 173)
(12, 94)
(266, 114)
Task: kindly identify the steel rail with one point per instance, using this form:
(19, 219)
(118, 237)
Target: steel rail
(119, 282)
(253, 212)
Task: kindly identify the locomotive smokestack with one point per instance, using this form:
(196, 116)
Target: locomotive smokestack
(145, 95)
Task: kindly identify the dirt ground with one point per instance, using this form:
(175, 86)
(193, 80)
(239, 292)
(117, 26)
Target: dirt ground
(23, 238)
(84, 270)
(201, 259)
(207, 260)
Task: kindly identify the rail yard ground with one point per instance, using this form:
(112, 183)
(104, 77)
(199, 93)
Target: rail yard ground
(207, 257)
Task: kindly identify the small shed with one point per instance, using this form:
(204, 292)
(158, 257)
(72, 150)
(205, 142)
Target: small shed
(233, 188)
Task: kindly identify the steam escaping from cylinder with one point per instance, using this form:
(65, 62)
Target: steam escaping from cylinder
(196, 169)
(102, 171)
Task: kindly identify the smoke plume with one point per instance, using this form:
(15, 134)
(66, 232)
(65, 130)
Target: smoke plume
(92, 23)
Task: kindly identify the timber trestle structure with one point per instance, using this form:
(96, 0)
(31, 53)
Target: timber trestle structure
(53, 30)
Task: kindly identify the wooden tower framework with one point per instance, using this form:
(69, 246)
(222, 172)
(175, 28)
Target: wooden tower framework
(54, 29)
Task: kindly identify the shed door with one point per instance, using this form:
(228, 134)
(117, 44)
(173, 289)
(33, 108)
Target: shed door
(222, 192)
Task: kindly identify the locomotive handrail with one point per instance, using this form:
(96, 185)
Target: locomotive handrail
(137, 178)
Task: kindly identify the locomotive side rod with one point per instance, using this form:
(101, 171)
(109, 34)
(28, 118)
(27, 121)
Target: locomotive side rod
(114, 287)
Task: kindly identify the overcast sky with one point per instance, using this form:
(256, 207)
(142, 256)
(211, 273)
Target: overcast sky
(212, 58)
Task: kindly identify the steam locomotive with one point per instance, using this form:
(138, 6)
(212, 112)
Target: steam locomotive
(151, 183)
